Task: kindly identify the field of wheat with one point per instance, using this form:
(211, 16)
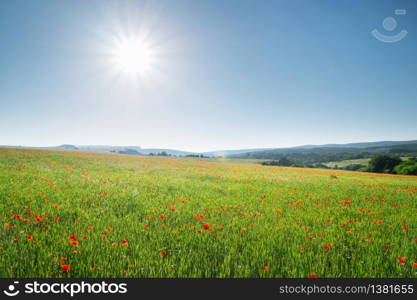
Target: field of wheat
(69, 214)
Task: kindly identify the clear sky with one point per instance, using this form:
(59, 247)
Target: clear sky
(210, 75)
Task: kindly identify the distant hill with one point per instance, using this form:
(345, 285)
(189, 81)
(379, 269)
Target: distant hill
(329, 153)
(231, 152)
(66, 147)
(357, 145)
(148, 151)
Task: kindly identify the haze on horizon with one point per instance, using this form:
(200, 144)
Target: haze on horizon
(205, 75)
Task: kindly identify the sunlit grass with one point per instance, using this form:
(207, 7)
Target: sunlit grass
(154, 217)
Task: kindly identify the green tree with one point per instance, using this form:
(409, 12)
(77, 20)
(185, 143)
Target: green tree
(383, 163)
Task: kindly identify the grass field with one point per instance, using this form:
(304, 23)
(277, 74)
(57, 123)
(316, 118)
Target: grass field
(361, 161)
(66, 214)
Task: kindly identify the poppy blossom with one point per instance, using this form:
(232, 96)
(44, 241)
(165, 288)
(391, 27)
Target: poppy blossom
(65, 268)
(90, 227)
(38, 218)
(18, 217)
(312, 276)
(30, 237)
(124, 242)
(74, 243)
(401, 260)
(266, 268)
(206, 227)
(163, 252)
(162, 216)
(56, 219)
(73, 236)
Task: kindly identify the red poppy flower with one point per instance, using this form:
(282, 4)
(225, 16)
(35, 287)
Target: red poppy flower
(415, 265)
(312, 276)
(206, 227)
(38, 218)
(18, 217)
(124, 242)
(65, 268)
(401, 260)
(90, 227)
(162, 216)
(266, 268)
(73, 236)
(103, 236)
(26, 220)
(74, 243)
(30, 237)
(404, 227)
(56, 219)
(163, 252)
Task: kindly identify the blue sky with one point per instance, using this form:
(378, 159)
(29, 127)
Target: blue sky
(224, 74)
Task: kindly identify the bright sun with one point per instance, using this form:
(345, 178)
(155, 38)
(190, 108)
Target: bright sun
(133, 57)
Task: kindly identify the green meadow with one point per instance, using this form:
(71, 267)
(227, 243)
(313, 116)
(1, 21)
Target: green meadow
(71, 214)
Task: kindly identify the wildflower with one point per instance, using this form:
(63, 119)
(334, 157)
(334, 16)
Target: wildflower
(266, 268)
(30, 237)
(65, 268)
(163, 252)
(206, 227)
(90, 227)
(74, 243)
(18, 217)
(38, 218)
(312, 276)
(73, 236)
(401, 260)
(124, 242)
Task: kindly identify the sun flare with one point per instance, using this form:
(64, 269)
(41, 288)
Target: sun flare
(133, 57)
